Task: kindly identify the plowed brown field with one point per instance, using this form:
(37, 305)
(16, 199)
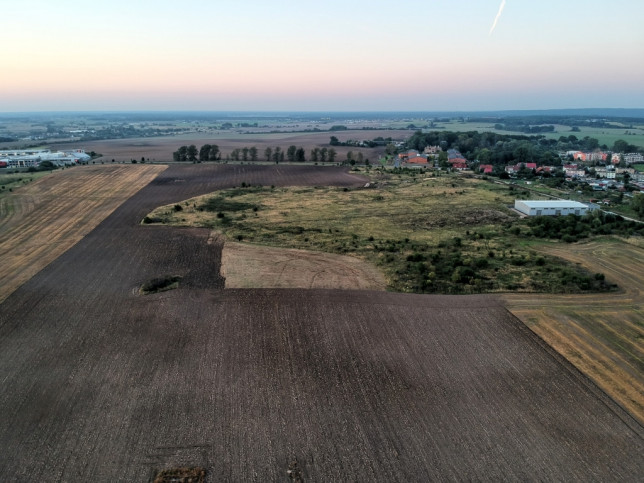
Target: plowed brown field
(102, 384)
(601, 334)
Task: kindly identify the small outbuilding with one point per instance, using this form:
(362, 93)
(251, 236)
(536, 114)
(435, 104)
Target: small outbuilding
(551, 207)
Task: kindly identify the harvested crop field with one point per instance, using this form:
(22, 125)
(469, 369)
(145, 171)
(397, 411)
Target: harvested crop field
(43, 219)
(601, 334)
(103, 384)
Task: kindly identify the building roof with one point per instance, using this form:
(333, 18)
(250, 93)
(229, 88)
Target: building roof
(553, 204)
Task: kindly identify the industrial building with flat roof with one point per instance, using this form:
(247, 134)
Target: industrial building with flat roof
(551, 207)
(26, 158)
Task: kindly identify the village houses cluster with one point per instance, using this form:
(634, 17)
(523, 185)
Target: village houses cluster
(594, 168)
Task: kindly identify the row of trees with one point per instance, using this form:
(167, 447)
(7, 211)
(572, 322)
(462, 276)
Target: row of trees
(293, 154)
(207, 152)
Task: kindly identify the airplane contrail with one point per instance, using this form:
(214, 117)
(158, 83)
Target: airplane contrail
(498, 15)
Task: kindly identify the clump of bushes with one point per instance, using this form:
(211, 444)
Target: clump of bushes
(572, 228)
(160, 284)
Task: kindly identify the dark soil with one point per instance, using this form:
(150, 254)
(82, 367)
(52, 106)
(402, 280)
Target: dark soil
(101, 384)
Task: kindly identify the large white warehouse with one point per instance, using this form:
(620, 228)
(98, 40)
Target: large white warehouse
(33, 157)
(551, 207)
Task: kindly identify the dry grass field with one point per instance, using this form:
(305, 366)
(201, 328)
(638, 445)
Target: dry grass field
(101, 383)
(602, 335)
(252, 266)
(41, 220)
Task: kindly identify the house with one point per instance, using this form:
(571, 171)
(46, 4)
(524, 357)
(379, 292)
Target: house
(409, 154)
(605, 173)
(573, 170)
(486, 168)
(630, 171)
(551, 207)
(417, 160)
(545, 169)
(432, 150)
(596, 156)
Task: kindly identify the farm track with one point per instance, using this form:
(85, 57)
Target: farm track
(100, 384)
(601, 334)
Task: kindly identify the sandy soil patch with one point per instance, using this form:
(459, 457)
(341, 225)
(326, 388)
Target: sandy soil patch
(254, 266)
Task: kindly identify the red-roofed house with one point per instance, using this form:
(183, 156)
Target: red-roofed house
(417, 160)
(486, 168)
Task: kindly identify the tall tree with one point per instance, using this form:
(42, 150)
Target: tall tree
(323, 153)
(245, 153)
(182, 153)
(204, 152)
(277, 153)
(290, 153)
(268, 153)
(214, 154)
(300, 155)
(192, 152)
(331, 154)
(253, 153)
(315, 154)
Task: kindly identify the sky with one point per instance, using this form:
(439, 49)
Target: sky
(309, 55)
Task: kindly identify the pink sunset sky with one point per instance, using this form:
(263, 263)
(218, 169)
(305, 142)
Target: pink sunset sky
(306, 55)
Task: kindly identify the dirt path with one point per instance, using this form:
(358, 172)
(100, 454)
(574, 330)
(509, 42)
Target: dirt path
(43, 219)
(253, 266)
(601, 334)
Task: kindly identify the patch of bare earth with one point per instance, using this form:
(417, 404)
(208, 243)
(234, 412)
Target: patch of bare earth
(601, 334)
(254, 266)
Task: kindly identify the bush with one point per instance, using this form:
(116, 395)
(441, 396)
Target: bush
(160, 284)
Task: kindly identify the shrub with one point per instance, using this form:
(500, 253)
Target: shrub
(160, 284)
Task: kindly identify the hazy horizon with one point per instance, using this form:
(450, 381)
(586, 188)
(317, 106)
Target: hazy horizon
(351, 56)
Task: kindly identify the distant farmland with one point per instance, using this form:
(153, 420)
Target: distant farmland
(101, 383)
(161, 148)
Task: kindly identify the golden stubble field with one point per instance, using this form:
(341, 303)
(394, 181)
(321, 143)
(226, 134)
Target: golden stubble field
(601, 334)
(41, 220)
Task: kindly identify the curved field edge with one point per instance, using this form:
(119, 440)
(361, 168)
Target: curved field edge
(50, 215)
(600, 334)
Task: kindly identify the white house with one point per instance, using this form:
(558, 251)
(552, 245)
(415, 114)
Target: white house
(551, 207)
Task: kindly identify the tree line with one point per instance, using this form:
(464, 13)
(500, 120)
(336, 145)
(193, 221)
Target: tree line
(293, 154)
(502, 149)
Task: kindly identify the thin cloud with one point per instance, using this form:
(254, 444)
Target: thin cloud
(498, 15)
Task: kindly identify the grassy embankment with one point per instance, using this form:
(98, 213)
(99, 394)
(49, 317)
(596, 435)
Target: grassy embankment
(446, 234)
